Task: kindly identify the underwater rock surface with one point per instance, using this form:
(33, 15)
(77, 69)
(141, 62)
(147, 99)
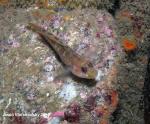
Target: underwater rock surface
(29, 67)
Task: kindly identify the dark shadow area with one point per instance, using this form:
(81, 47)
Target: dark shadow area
(87, 82)
(116, 114)
(115, 7)
(147, 93)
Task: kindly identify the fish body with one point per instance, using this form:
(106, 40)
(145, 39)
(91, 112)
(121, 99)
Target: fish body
(77, 64)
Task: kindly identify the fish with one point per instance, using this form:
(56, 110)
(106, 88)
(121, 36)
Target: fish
(77, 64)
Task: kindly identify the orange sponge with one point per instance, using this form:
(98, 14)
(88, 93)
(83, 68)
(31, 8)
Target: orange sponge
(129, 45)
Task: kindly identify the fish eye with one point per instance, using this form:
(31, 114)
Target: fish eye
(84, 69)
(90, 65)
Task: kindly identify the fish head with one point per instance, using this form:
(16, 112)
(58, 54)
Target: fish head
(85, 70)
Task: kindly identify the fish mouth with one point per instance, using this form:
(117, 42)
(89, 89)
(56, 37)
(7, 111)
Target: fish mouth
(84, 76)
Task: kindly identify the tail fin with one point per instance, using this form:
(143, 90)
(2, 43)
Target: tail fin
(43, 33)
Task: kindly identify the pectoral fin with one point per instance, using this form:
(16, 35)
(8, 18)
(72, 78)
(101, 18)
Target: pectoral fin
(66, 72)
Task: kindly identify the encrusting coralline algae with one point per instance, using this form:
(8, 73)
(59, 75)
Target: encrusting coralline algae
(34, 66)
